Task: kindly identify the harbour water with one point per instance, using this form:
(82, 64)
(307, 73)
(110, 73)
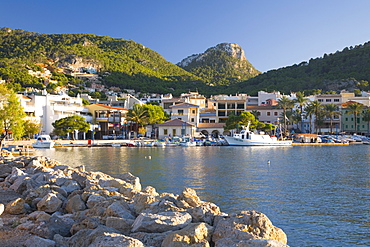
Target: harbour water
(319, 195)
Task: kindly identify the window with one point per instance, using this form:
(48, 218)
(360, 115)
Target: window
(320, 100)
(165, 131)
(268, 113)
(174, 132)
(346, 118)
(180, 112)
(221, 106)
(193, 111)
(192, 120)
(275, 113)
(328, 100)
(336, 100)
(230, 106)
(221, 113)
(240, 106)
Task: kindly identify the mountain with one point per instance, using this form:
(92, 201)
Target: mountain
(119, 62)
(348, 69)
(223, 64)
(222, 69)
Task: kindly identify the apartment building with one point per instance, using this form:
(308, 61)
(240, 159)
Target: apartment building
(225, 105)
(47, 108)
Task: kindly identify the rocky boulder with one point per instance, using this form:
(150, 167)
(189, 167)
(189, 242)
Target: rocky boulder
(161, 222)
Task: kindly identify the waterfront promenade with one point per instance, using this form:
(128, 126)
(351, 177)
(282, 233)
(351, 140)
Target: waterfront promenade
(104, 143)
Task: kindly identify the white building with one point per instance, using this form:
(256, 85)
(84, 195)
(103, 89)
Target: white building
(47, 108)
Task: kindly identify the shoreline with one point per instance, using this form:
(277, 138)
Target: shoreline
(108, 143)
(45, 203)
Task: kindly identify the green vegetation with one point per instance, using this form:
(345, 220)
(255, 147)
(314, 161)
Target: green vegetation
(69, 124)
(348, 69)
(355, 109)
(11, 114)
(31, 128)
(237, 122)
(122, 63)
(218, 68)
(130, 65)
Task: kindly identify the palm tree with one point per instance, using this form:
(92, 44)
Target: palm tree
(366, 116)
(138, 114)
(355, 109)
(285, 104)
(331, 111)
(301, 100)
(310, 112)
(315, 108)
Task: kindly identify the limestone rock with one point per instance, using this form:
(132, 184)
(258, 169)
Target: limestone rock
(150, 190)
(122, 225)
(119, 209)
(39, 242)
(246, 226)
(190, 196)
(205, 213)
(150, 239)
(198, 234)
(70, 185)
(75, 204)
(85, 237)
(55, 225)
(94, 199)
(143, 201)
(161, 222)
(87, 223)
(115, 240)
(50, 203)
(131, 179)
(16, 206)
(39, 216)
(249, 243)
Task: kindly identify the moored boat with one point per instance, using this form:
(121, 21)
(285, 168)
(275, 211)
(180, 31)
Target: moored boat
(249, 138)
(43, 141)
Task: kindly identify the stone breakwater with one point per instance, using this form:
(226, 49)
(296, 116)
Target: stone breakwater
(51, 204)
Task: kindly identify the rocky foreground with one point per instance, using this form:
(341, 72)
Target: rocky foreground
(45, 203)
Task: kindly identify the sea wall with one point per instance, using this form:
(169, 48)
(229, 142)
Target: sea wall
(46, 203)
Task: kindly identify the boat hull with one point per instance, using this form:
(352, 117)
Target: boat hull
(43, 144)
(234, 141)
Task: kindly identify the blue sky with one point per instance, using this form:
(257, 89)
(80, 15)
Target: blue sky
(273, 33)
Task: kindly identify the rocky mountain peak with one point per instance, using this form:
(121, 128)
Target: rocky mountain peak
(232, 49)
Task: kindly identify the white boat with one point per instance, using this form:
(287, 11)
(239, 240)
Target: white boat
(188, 142)
(249, 138)
(43, 141)
(115, 144)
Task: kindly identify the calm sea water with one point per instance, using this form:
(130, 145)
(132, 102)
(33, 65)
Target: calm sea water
(319, 196)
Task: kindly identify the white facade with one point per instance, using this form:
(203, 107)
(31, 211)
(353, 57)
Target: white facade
(49, 108)
(186, 112)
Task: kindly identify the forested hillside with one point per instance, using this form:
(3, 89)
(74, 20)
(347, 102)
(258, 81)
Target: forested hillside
(225, 64)
(124, 63)
(346, 69)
